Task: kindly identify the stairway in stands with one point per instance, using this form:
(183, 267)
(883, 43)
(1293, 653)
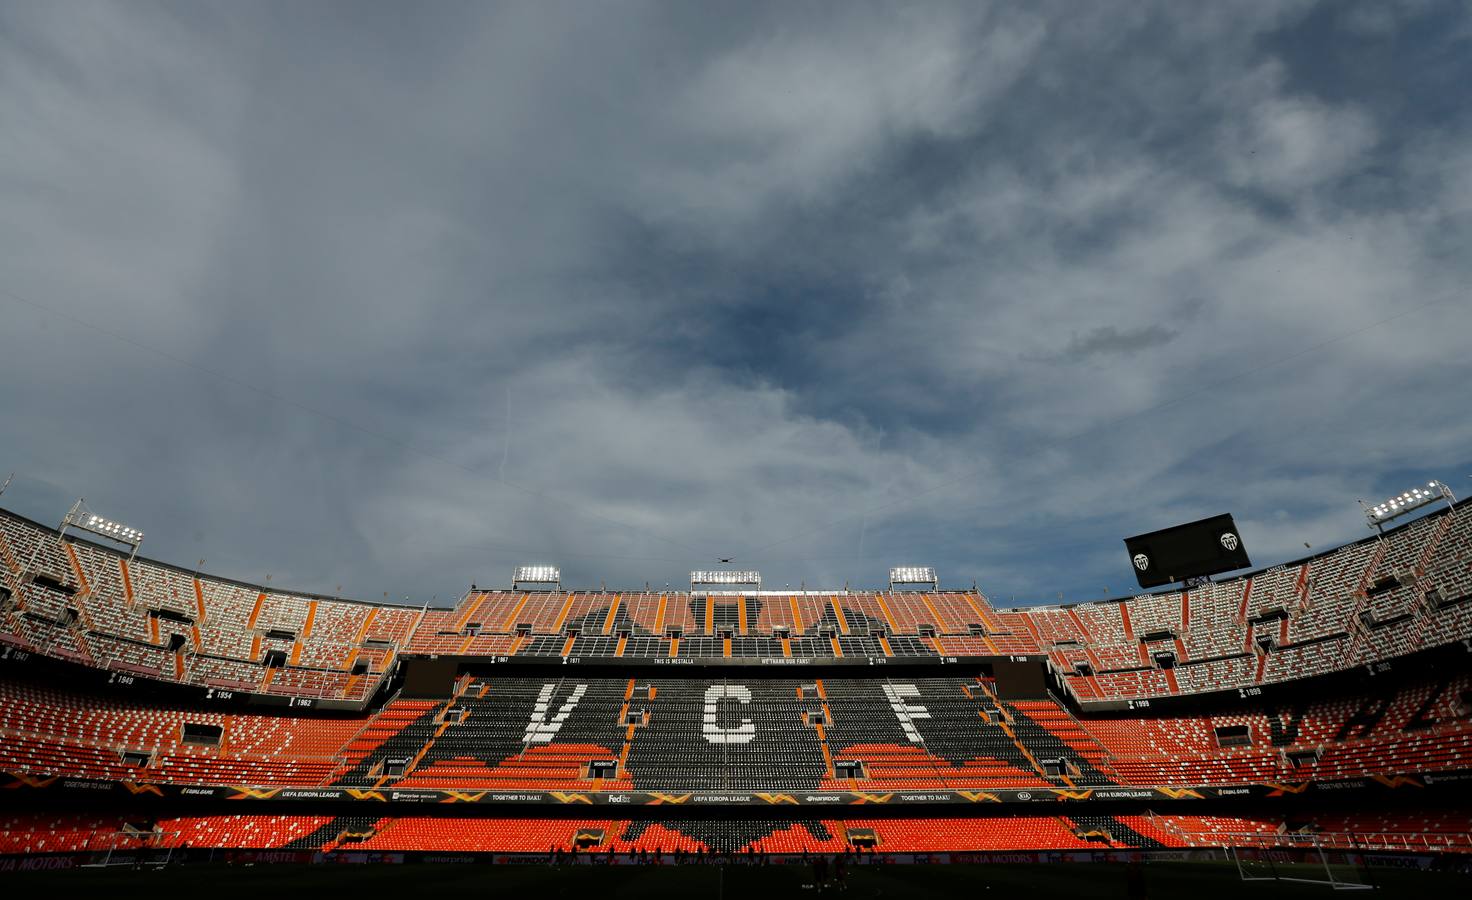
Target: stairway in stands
(1109, 831)
(341, 830)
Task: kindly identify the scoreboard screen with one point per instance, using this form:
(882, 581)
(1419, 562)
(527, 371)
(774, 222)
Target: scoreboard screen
(1193, 550)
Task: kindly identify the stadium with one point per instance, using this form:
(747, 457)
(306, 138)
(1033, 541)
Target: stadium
(1317, 713)
(665, 449)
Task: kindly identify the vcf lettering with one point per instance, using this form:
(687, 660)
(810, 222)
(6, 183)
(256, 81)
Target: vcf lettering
(907, 713)
(714, 695)
(540, 730)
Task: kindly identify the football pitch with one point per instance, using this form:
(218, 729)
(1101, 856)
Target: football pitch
(1194, 880)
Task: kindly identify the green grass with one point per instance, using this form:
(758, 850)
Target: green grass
(1194, 881)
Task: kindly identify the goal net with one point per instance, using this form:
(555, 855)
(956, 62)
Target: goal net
(1340, 870)
(130, 848)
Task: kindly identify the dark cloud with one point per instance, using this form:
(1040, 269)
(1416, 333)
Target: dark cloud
(1107, 340)
(395, 298)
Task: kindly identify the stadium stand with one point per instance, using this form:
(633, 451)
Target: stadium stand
(130, 678)
(1346, 608)
(77, 600)
(723, 734)
(49, 833)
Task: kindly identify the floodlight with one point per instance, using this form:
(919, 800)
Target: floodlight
(725, 576)
(539, 574)
(912, 575)
(113, 530)
(99, 525)
(1405, 502)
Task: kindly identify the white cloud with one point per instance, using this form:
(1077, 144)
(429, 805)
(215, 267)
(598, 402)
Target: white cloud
(1288, 144)
(789, 114)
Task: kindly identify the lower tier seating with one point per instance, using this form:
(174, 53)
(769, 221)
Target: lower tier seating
(32, 833)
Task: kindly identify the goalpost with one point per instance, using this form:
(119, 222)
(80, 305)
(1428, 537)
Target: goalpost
(1340, 870)
(130, 848)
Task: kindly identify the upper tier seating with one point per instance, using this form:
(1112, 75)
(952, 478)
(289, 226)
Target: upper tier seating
(143, 618)
(1285, 623)
(1353, 606)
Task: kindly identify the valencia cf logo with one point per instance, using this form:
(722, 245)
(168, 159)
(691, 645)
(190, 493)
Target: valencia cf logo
(1229, 540)
(1142, 562)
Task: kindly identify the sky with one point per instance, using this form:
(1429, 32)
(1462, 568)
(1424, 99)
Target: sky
(385, 299)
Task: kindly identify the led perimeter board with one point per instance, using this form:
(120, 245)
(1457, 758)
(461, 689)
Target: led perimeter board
(1193, 550)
